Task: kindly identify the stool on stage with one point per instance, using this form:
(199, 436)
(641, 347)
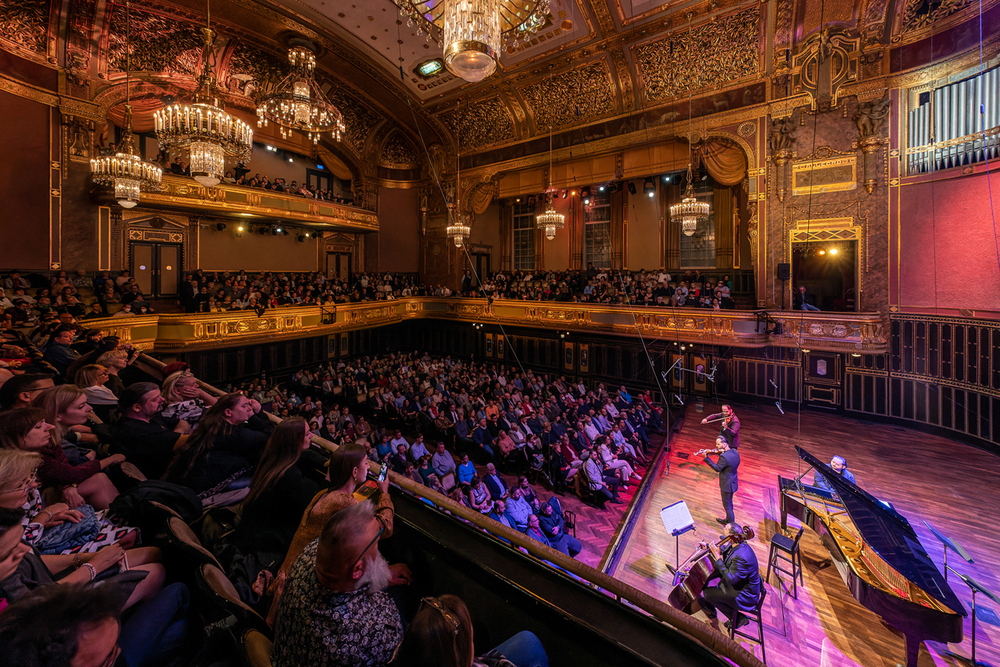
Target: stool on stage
(569, 519)
(786, 550)
(755, 617)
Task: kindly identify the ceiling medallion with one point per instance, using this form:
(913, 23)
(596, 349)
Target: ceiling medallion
(472, 32)
(125, 171)
(203, 127)
(298, 103)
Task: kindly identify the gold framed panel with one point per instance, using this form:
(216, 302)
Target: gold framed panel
(819, 176)
(569, 356)
(344, 345)
(499, 346)
(822, 368)
(584, 358)
(489, 345)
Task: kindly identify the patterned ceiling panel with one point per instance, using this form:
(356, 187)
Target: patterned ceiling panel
(710, 55)
(25, 23)
(482, 124)
(918, 14)
(252, 71)
(159, 43)
(399, 153)
(358, 117)
(577, 96)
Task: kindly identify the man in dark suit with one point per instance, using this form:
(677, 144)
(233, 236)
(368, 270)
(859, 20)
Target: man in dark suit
(495, 483)
(726, 466)
(739, 581)
(730, 429)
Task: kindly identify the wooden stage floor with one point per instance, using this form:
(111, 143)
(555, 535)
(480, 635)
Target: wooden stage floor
(953, 486)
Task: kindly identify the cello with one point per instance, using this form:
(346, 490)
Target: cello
(692, 575)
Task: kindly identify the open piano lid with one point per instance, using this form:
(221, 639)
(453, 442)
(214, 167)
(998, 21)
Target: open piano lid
(889, 534)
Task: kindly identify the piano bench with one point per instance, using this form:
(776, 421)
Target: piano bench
(786, 550)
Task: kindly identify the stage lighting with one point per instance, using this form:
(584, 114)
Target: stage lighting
(648, 187)
(666, 179)
(585, 195)
(631, 188)
(564, 193)
(600, 188)
(833, 251)
(822, 252)
(220, 226)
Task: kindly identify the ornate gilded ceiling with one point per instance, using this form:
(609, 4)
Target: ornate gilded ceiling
(598, 68)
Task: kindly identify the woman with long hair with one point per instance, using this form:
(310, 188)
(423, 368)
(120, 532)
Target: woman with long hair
(348, 469)
(91, 379)
(441, 636)
(223, 450)
(184, 398)
(50, 426)
(279, 493)
(114, 361)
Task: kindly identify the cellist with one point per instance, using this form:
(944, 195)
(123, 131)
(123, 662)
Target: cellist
(739, 583)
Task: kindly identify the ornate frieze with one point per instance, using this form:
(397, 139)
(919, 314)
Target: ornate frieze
(159, 42)
(712, 54)
(577, 96)
(919, 14)
(252, 71)
(398, 153)
(481, 124)
(359, 118)
(24, 25)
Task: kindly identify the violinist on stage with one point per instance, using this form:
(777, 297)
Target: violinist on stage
(727, 465)
(739, 580)
(730, 429)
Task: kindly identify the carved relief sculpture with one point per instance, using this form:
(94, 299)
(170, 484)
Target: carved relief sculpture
(870, 119)
(781, 138)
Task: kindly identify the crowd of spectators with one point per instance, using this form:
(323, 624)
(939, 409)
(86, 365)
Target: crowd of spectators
(241, 176)
(82, 426)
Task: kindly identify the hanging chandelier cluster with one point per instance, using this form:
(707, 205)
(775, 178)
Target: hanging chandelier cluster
(125, 171)
(690, 211)
(472, 32)
(298, 103)
(550, 221)
(203, 127)
(458, 231)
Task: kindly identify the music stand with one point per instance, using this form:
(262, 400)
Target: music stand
(950, 544)
(975, 587)
(677, 520)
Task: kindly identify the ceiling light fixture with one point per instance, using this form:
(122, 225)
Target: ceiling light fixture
(125, 171)
(648, 187)
(203, 127)
(690, 211)
(550, 221)
(472, 32)
(460, 228)
(298, 103)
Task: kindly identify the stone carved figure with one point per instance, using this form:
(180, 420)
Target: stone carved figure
(782, 134)
(870, 117)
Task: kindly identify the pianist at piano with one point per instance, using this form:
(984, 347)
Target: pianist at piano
(838, 464)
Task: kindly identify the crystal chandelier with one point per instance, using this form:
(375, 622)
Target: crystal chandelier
(550, 221)
(128, 173)
(459, 231)
(472, 32)
(298, 103)
(203, 127)
(690, 211)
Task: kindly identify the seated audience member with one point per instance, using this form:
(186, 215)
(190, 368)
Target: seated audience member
(184, 398)
(222, 451)
(279, 494)
(495, 483)
(518, 509)
(146, 441)
(348, 469)
(96, 312)
(466, 471)
(20, 390)
(499, 514)
(604, 487)
(115, 361)
(88, 342)
(484, 440)
(443, 462)
(839, 466)
(554, 526)
(81, 625)
(55, 529)
(91, 379)
(50, 432)
(27, 571)
(59, 352)
(335, 610)
(418, 449)
(441, 636)
(479, 496)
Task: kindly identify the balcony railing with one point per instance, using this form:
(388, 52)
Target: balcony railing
(182, 193)
(832, 332)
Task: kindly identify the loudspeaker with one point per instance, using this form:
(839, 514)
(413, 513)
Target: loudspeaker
(784, 271)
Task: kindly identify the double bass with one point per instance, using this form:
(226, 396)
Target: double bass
(692, 575)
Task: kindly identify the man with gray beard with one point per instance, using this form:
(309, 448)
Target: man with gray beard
(334, 612)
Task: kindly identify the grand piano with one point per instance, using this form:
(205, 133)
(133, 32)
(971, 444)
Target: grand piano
(878, 555)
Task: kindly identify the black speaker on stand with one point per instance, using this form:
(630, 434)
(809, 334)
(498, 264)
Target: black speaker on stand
(784, 275)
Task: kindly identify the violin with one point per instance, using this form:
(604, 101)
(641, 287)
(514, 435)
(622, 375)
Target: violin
(703, 452)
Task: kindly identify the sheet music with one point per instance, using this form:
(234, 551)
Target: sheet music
(677, 518)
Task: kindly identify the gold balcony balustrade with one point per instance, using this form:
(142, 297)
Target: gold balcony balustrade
(180, 193)
(819, 331)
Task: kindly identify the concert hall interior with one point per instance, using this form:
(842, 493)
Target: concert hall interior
(426, 332)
